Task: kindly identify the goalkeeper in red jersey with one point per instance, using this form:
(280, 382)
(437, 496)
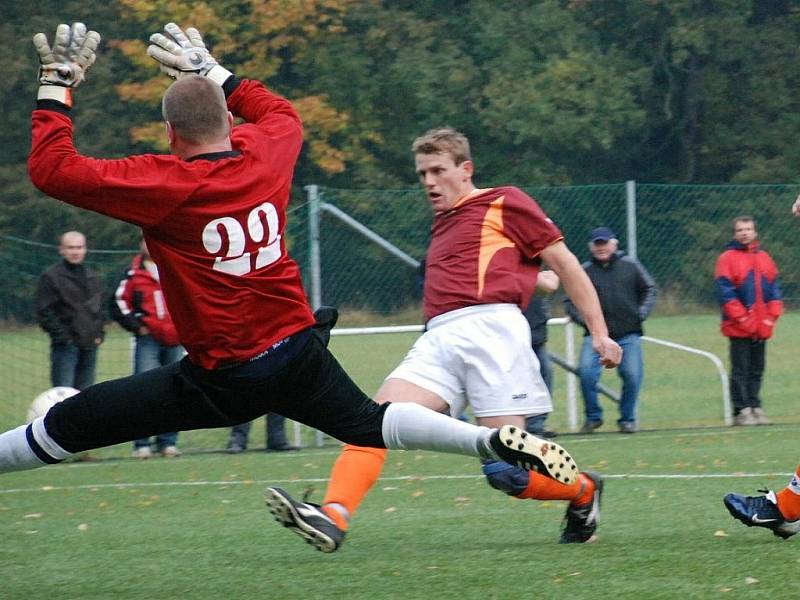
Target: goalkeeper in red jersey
(213, 214)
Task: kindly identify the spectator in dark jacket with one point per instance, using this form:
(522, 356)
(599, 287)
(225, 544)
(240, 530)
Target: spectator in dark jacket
(537, 314)
(627, 294)
(138, 305)
(69, 301)
(750, 297)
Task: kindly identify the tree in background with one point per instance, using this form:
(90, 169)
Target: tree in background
(549, 91)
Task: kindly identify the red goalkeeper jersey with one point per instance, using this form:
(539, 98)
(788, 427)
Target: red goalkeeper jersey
(214, 224)
(485, 250)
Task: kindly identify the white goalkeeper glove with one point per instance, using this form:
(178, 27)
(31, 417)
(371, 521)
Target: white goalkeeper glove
(64, 66)
(179, 54)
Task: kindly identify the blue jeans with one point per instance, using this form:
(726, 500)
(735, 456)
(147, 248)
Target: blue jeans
(535, 424)
(545, 365)
(631, 371)
(147, 355)
(72, 366)
(276, 432)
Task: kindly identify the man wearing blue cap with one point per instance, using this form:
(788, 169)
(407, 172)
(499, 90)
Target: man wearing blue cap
(627, 294)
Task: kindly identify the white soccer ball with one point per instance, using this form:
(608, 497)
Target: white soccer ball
(46, 400)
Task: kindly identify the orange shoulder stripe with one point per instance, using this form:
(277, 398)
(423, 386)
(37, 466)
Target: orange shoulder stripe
(492, 239)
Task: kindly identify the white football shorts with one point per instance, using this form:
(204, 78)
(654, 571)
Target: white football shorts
(479, 355)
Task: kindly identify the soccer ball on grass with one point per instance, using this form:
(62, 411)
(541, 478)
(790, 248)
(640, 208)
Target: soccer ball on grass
(47, 399)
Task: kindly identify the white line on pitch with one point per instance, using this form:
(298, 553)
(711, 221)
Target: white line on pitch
(567, 441)
(97, 486)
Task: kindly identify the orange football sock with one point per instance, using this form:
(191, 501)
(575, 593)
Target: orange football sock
(789, 498)
(544, 488)
(353, 475)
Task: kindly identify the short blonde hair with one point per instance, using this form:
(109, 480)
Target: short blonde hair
(195, 107)
(743, 219)
(443, 140)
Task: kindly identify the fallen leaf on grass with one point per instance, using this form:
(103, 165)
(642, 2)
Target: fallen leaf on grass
(83, 527)
(391, 509)
(750, 580)
(33, 516)
(720, 533)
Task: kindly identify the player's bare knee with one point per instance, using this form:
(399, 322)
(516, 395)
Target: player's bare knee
(505, 477)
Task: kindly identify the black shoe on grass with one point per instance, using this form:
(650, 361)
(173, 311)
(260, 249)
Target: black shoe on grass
(305, 519)
(761, 511)
(580, 522)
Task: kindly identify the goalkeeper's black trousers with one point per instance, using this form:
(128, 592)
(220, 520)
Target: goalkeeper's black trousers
(299, 379)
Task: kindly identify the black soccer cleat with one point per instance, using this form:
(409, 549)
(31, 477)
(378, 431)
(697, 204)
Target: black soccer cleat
(304, 519)
(761, 511)
(518, 447)
(580, 522)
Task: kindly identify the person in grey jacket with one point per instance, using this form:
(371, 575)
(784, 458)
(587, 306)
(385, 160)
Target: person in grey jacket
(627, 295)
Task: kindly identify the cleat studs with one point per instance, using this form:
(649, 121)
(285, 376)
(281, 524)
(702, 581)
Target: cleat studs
(523, 435)
(512, 430)
(520, 446)
(553, 447)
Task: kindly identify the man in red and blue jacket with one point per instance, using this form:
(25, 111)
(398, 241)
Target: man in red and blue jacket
(138, 305)
(749, 294)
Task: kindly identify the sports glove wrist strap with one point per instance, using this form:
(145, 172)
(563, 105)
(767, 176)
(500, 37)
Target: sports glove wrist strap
(218, 74)
(57, 93)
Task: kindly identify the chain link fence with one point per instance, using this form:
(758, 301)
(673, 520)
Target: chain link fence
(680, 231)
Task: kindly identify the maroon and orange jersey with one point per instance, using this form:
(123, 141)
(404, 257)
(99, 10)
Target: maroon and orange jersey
(214, 224)
(485, 250)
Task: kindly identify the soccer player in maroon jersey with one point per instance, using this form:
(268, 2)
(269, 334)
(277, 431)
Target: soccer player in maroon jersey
(487, 246)
(213, 214)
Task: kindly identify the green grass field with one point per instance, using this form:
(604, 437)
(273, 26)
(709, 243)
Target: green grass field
(680, 389)
(195, 526)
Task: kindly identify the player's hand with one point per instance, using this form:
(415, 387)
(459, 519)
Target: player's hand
(796, 207)
(609, 351)
(64, 65)
(179, 54)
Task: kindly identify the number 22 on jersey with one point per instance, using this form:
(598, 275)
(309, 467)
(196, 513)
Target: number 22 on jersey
(236, 261)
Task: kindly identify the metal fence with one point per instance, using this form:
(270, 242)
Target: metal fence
(358, 250)
(676, 231)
